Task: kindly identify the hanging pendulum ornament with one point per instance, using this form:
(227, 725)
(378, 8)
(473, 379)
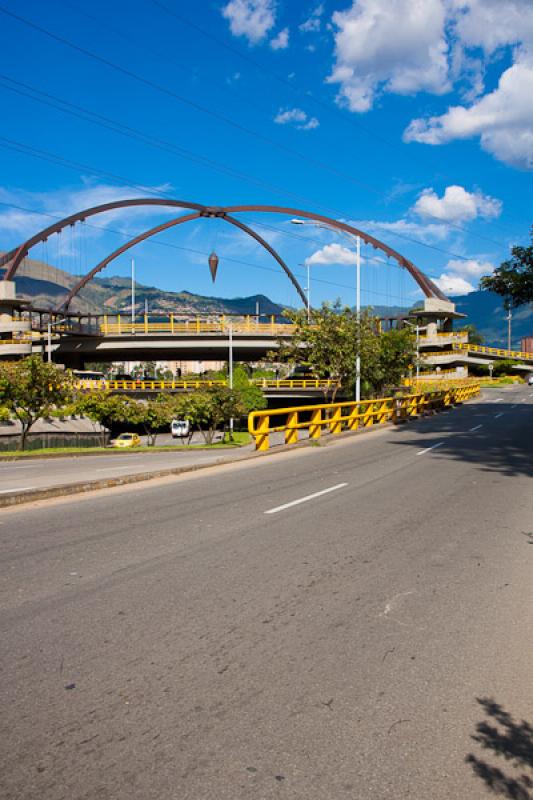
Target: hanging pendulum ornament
(213, 265)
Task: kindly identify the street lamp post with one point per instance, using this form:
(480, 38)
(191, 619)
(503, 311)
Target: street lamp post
(357, 291)
(417, 330)
(230, 366)
(49, 337)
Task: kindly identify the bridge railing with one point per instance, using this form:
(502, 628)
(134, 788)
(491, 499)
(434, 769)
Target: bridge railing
(336, 417)
(122, 326)
(494, 351)
(186, 384)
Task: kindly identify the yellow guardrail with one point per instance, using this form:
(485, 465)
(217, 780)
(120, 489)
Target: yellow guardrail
(262, 383)
(494, 351)
(350, 416)
(124, 327)
(445, 334)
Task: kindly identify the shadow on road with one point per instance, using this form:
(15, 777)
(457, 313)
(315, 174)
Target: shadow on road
(500, 736)
(501, 444)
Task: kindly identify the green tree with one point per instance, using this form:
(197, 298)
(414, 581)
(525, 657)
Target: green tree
(513, 279)
(106, 408)
(154, 415)
(328, 343)
(213, 408)
(397, 354)
(474, 336)
(30, 388)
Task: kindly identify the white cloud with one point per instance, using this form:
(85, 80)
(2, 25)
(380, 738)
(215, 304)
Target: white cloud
(392, 46)
(426, 232)
(472, 268)
(409, 46)
(58, 204)
(296, 117)
(453, 284)
(491, 24)
(457, 205)
(462, 276)
(281, 41)
(313, 22)
(503, 119)
(332, 254)
(252, 19)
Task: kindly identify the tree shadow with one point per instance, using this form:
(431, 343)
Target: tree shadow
(511, 740)
(505, 448)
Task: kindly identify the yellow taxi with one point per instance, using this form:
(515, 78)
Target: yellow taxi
(126, 440)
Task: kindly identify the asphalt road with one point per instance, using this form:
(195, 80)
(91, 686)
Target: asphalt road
(39, 473)
(351, 621)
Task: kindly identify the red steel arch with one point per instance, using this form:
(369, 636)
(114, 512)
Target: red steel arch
(165, 226)
(15, 256)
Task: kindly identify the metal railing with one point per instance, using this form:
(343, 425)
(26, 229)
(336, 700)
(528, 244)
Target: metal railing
(336, 417)
(139, 385)
(494, 351)
(122, 326)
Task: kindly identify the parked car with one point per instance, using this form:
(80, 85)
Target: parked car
(180, 428)
(126, 440)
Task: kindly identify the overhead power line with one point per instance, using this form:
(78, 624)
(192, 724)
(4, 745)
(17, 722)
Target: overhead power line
(198, 107)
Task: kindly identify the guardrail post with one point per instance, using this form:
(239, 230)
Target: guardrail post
(291, 431)
(335, 422)
(145, 324)
(118, 323)
(272, 322)
(315, 426)
(262, 441)
(197, 324)
(105, 324)
(172, 323)
(368, 415)
(353, 419)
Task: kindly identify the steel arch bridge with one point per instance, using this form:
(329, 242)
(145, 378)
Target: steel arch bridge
(13, 259)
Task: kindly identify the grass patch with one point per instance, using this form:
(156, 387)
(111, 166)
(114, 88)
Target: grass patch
(241, 438)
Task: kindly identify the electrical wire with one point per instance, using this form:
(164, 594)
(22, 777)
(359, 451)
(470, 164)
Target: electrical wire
(198, 107)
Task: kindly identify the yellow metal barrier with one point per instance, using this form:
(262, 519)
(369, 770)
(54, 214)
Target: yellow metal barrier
(350, 415)
(262, 383)
(494, 351)
(123, 327)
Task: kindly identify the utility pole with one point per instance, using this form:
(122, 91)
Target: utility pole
(133, 295)
(358, 318)
(509, 318)
(230, 364)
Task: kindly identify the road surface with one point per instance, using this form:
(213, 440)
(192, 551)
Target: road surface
(38, 473)
(351, 622)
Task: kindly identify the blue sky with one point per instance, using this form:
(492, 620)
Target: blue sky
(412, 120)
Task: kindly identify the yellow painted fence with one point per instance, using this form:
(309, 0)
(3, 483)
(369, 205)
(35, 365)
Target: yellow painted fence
(336, 417)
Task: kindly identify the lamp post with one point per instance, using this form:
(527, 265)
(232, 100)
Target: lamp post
(350, 236)
(230, 366)
(417, 329)
(49, 337)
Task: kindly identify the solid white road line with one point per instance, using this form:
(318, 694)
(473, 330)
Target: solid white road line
(476, 428)
(433, 446)
(499, 415)
(498, 399)
(17, 489)
(305, 499)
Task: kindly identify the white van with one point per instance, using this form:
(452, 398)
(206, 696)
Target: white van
(180, 428)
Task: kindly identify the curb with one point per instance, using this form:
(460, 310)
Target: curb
(67, 489)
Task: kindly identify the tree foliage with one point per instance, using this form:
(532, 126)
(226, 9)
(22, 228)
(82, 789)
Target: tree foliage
(153, 415)
(30, 388)
(328, 343)
(513, 279)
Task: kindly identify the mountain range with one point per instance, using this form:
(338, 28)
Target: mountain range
(45, 286)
